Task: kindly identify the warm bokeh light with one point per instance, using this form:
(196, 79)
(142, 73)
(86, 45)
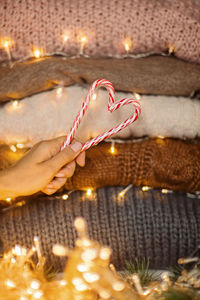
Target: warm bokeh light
(127, 42)
(65, 196)
(37, 52)
(13, 148)
(6, 43)
(89, 192)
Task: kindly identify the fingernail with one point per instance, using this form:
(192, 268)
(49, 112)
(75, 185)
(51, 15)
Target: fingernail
(60, 174)
(76, 147)
(49, 186)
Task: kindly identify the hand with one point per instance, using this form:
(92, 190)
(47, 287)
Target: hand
(43, 168)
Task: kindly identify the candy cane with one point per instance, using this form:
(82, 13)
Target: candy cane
(112, 106)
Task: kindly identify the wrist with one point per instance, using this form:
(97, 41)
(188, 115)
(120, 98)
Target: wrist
(7, 189)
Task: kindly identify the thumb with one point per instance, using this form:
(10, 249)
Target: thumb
(64, 157)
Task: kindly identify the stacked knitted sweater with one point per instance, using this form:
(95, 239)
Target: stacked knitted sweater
(160, 150)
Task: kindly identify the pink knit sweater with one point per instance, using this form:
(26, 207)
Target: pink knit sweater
(152, 25)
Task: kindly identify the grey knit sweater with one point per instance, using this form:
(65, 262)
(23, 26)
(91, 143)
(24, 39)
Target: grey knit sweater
(150, 224)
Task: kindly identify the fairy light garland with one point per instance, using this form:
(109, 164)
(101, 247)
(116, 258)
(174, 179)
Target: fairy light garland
(6, 44)
(88, 274)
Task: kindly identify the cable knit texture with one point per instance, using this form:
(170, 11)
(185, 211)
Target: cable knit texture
(168, 163)
(149, 75)
(146, 224)
(153, 25)
(176, 117)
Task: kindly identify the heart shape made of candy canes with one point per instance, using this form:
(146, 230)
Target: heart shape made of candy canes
(112, 106)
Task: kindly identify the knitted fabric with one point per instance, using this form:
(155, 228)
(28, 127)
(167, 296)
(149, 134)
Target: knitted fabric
(152, 25)
(148, 75)
(162, 227)
(161, 115)
(168, 163)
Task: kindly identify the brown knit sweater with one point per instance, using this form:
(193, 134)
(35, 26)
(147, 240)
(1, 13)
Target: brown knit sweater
(148, 75)
(169, 163)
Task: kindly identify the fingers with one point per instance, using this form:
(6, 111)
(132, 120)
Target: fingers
(81, 159)
(46, 149)
(54, 185)
(64, 157)
(67, 171)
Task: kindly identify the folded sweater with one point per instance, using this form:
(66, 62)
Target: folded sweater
(169, 164)
(47, 115)
(161, 227)
(151, 75)
(151, 25)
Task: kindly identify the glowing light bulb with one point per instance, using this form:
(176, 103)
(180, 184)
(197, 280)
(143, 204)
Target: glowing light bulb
(59, 91)
(112, 149)
(82, 268)
(60, 250)
(35, 284)
(89, 192)
(89, 254)
(82, 287)
(20, 146)
(77, 280)
(15, 104)
(80, 224)
(121, 194)
(171, 49)
(118, 286)
(10, 283)
(145, 188)
(91, 277)
(23, 298)
(65, 37)
(105, 253)
(83, 41)
(164, 191)
(8, 199)
(137, 96)
(161, 137)
(127, 44)
(6, 43)
(65, 196)
(104, 294)
(63, 282)
(38, 294)
(37, 52)
(94, 97)
(13, 148)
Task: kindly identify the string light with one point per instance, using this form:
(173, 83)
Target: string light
(13, 148)
(6, 43)
(137, 96)
(171, 49)
(161, 137)
(20, 146)
(94, 96)
(112, 149)
(8, 199)
(37, 52)
(165, 191)
(83, 41)
(65, 37)
(146, 188)
(89, 192)
(60, 250)
(10, 283)
(127, 44)
(124, 191)
(59, 92)
(65, 196)
(15, 104)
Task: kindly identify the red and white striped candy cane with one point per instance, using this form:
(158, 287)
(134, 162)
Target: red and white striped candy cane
(112, 106)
